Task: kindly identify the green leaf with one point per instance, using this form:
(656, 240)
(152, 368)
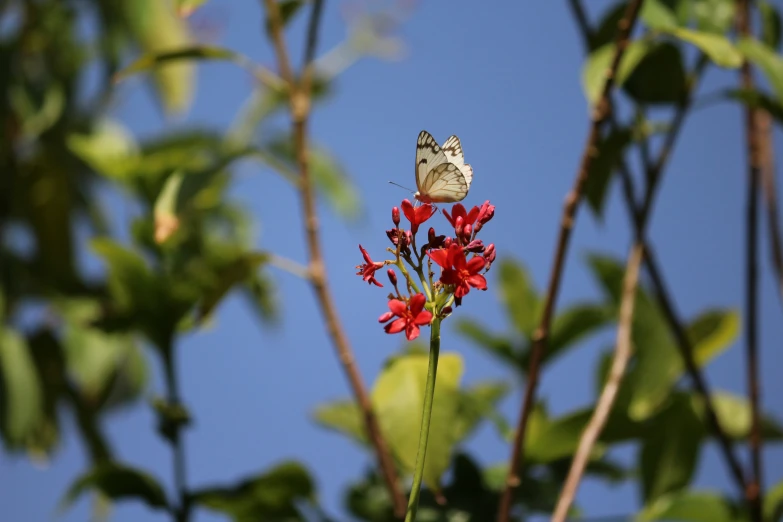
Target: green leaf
(573, 324)
(554, 439)
(712, 332)
(659, 76)
(131, 283)
(271, 496)
(369, 500)
(688, 506)
(342, 416)
(658, 16)
(519, 296)
(773, 503)
(157, 29)
(103, 364)
(151, 62)
(499, 346)
(767, 60)
(594, 70)
(734, 416)
(22, 399)
(714, 16)
(230, 274)
(109, 149)
(475, 404)
(608, 273)
(670, 449)
(610, 149)
(117, 482)
(398, 397)
(719, 49)
(770, 24)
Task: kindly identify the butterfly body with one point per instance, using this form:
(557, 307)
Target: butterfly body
(442, 176)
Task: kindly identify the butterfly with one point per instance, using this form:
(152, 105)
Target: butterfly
(442, 176)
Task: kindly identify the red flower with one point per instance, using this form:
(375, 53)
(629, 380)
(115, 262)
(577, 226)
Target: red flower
(368, 269)
(458, 271)
(417, 215)
(411, 315)
(468, 218)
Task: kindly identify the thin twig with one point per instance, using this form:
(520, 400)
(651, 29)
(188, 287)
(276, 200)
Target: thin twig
(753, 493)
(622, 354)
(573, 199)
(289, 265)
(181, 511)
(300, 110)
(769, 191)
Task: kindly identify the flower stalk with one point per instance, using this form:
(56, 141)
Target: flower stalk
(426, 417)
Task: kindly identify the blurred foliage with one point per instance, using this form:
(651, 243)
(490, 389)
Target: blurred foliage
(113, 246)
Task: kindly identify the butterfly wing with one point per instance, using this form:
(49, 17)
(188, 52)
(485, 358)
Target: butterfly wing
(453, 151)
(445, 184)
(428, 156)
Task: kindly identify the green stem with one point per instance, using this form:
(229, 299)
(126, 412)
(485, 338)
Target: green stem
(429, 394)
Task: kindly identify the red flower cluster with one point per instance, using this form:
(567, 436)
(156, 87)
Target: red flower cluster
(462, 257)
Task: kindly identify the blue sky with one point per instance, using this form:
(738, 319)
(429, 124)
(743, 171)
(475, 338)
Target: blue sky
(506, 79)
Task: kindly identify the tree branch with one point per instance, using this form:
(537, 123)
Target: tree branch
(299, 99)
(753, 136)
(603, 408)
(573, 199)
(769, 191)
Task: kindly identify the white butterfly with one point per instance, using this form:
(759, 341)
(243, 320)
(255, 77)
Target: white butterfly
(442, 176)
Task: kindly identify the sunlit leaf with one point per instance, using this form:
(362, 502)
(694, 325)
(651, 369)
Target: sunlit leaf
(767, 60)
(720, 50)
(186, 8)
(657, 15)
(117, 482)
(228, 276)
(109, 149)
(688, 506)
(519, 296)
(715, 16)
(557, 438)
(398, 396)
(594, 71)
(773, 503)
(157, 28)
(670, 449)
(574, 323)
(273, 495)
(21, 388)
(712, 332)
(341, 416)
(734, 415)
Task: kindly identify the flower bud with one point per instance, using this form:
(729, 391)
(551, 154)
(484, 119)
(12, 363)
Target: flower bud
(458, 224)
(476, 246)
(446, 311)
(447, 242)
(396, 216)
(467, 231)
(489, 254)
(392, 276)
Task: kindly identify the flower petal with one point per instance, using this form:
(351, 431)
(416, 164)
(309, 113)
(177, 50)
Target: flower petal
(477, 281)
(441, 257)
(407, 209)
(396, 326)
(366, 255)
(397, 307)
(411, 331)
(416, 304)
(449, 277)
(423, 318)
(471, 216)
(385, 317)
(475, 265)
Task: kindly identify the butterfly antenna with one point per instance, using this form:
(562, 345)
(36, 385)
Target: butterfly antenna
(406, 188)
